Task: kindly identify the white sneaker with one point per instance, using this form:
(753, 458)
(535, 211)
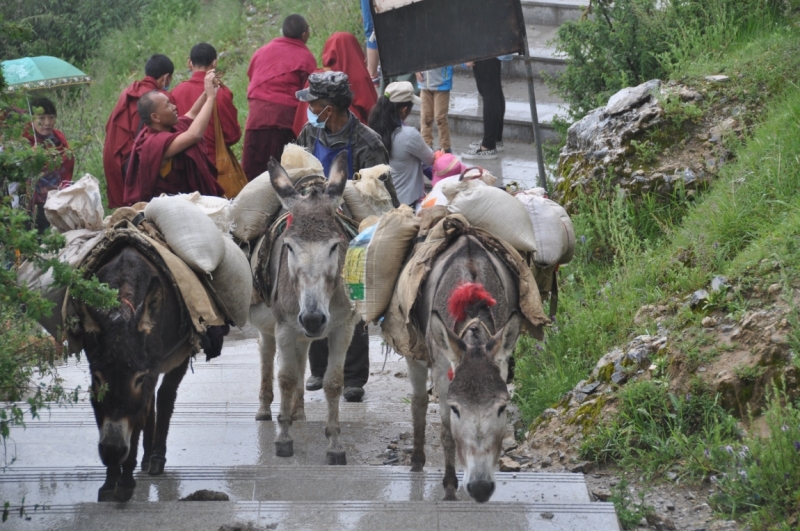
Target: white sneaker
(498, 146)
(480, 154)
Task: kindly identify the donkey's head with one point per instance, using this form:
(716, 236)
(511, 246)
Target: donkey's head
(314, 243)
(477, 396)
(121, 345)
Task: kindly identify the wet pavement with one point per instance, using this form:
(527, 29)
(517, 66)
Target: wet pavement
(216, 444)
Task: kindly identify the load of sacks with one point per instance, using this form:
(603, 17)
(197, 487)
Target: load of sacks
(527, 221)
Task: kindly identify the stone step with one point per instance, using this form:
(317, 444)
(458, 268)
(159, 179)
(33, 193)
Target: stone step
(63, 486)
(545, 61)
(319, 516)
(552, 12)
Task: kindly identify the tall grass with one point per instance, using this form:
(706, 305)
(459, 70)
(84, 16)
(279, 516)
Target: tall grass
(623, 263)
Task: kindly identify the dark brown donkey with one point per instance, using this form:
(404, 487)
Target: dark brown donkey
(469, 309)
(128, 347)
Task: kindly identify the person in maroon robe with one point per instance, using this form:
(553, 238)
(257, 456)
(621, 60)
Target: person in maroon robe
(46, 136)
(166, 156)
(203, 58)
(277, 71)
(123, 125)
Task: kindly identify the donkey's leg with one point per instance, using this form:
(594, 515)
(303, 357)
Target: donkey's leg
(441, 385)
(418, 374)
(165, 405)
(332, 383)
(106, 491)
(123, 490)
(266, 348)
(149, 433)
(299, 409)
(290, 350)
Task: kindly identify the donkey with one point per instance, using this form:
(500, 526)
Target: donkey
(128, 347)
(469, 309)
(309, 302)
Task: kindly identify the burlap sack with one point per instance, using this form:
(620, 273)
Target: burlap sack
(496, 211)
(371, 270)
(552, 228)
(232, 281)
(258, 203)
(189, 233)
(217, 208)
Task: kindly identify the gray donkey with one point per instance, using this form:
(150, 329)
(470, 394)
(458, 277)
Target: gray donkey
(308, 302)
(468, 308)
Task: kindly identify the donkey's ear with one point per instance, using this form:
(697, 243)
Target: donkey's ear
(338, 176)
(281, 183)
(150, 308)
(445, 340)
(501, 346)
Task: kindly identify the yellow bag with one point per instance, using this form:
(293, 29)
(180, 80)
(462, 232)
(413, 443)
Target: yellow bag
(230, 175)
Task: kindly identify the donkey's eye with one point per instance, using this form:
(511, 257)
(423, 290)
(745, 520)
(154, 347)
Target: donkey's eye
(454, 409)
(289, 247)
(501, 410)
(140, 380)
(334, 248)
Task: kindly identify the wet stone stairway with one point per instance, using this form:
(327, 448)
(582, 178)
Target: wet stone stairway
(216, 444)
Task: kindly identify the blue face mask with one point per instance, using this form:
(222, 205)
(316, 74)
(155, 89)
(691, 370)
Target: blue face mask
(313, 119)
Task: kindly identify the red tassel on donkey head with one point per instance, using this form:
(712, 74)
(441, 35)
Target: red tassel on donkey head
(465, 296)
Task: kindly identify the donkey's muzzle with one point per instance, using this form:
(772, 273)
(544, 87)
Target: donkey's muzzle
(313, 323)
(480, 490)
(114, 443)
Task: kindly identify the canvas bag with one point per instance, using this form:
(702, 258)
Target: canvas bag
(230, 175)
(78, 206)
(552, 228)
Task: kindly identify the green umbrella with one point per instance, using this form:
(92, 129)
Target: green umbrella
(41, 72)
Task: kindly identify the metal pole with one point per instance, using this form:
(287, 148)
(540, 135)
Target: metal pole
(537, 137)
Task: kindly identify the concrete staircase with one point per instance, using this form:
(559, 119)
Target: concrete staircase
(216, 444)
(542, 18)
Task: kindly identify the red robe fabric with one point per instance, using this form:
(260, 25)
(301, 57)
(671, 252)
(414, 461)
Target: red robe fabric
(277, 70)
(191, 170)
(52, 178)
(342, 53)
(121, 130)
(186, 95)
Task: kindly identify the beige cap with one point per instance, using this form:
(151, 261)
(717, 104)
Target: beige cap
(400, 92)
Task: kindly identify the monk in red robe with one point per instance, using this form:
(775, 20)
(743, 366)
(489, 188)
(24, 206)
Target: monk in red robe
(277, 71)
(203, 58)
(166, 156)
(45, 135)
(123, 125)
(342, 53)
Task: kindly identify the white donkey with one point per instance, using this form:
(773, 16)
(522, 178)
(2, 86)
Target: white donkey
(309, 302)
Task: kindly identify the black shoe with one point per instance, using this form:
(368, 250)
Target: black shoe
(353, 394)
(314, 383)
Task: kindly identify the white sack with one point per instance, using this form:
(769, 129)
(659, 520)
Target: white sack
(79, 206)
(189, 232)
(233, 283)
(496, 211)
(552, 228)
(258, 203)
(217, 208)
(449, 186)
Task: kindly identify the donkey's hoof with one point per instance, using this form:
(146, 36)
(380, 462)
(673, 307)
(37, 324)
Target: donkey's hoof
(336, 458)
(105, 495)
(417, 467)
(299, 416)
(264, 414)
(284, 448)
(146, 463)
(123, 493)
(157, 465)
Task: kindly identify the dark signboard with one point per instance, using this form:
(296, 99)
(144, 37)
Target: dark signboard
(423, 34)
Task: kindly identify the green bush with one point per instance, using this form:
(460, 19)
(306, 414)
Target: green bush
(658, 430)
(626, 42)
(760, 478)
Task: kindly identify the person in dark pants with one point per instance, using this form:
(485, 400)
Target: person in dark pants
(490, 86)
(333, 129)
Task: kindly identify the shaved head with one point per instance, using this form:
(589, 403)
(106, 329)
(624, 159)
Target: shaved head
(155, 110)
(147, 106)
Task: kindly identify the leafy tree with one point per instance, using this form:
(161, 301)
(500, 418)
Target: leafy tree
(25, 351)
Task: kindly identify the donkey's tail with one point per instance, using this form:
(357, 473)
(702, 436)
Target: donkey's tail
(465, 296)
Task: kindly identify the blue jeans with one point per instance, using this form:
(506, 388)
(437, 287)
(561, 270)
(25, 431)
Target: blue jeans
(369, 28)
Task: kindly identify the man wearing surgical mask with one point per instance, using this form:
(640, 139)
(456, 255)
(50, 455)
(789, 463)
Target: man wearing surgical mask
(332, 129)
